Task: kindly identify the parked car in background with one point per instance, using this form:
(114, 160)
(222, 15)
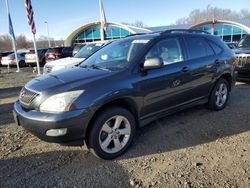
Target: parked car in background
(3, 54)
(11, 59)
(126, 85)
(30, 57)
(77, 48)
(231, 45)
(242, 52)
(70, 62)
(57, 53)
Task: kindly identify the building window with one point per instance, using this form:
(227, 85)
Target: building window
(92, 34)
(227, 32)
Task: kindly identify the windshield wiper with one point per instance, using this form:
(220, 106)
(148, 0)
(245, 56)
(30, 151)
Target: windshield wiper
(94, 66)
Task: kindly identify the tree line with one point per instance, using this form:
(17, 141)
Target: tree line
(23, 42)
(210, 13)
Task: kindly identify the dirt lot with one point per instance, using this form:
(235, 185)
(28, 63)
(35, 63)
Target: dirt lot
(194, 148)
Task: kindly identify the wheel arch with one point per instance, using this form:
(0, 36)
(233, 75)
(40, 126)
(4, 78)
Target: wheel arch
(226, 76)
(126, 103)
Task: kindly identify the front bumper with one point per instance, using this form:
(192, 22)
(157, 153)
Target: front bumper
(6, 63)
(243, 74)
(38, 123)
(243, 67)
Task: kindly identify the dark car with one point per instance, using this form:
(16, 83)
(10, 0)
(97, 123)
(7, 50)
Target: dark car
(30, 58)
(125, 85)
(57, 53)
(231, 45)
(242, 52)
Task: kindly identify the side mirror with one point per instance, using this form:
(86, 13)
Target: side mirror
(153, 63)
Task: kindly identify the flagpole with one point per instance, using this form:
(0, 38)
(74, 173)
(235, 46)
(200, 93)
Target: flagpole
(17, 64)
(31, 22)
(101, 21)
(37, 61)
(13, 42)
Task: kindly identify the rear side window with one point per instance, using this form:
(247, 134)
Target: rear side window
(198, 47)
(215, 47)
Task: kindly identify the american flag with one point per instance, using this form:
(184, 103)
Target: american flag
(30, 13)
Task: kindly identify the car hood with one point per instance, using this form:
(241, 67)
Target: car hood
(68, 61)
(242, 51)
(67, 78)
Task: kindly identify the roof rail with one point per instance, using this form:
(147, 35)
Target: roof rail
(185, 31)
(134, 34)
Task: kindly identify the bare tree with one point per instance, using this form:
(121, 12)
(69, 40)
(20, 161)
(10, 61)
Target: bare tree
(5, 43)
(210, 12)
(23, 42)
(137, 23)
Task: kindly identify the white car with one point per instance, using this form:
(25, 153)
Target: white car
(71, 62)
(11, 59)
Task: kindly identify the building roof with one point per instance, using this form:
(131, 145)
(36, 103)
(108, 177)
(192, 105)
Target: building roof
(131, 29)
(245, 22)
(163, 28)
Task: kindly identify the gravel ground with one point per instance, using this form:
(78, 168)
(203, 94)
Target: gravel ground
(194, 148)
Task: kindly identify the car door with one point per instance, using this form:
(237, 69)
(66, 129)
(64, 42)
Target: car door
(201, 60)
(165, 88)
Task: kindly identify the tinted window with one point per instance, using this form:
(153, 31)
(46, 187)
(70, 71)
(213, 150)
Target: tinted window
(198, 47)
(244, 42)
(51, 50)
(215, 47)
(168, 49)
(67, 50)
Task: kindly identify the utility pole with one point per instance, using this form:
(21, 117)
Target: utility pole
(47, 26)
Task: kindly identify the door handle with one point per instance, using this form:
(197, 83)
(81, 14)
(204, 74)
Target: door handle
(185, 69)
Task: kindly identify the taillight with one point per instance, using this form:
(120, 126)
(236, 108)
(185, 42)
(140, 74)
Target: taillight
(11, 58)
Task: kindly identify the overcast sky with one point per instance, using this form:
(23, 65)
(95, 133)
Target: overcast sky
(66, 15)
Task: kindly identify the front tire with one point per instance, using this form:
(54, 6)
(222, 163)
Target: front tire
(219, 96)
(111, 133)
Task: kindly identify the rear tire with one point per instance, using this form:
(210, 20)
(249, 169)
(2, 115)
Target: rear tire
(111, 133)
(22, 64)
(219, 96)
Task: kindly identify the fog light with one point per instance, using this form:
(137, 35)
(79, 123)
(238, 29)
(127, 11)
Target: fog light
(56, 132)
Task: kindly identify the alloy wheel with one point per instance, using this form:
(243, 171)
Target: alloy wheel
(114, 134)
(221, 95)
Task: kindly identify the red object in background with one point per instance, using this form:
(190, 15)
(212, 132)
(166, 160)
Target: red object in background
(11, 58)
(53, 55)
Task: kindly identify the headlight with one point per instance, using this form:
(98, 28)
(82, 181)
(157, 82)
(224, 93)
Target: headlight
(60, 102)
(55, 68)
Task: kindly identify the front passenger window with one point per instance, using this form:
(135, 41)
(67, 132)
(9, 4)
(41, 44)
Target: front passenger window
(169, 50)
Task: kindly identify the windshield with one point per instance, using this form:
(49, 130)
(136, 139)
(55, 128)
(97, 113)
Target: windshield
(116, 56)
(245, 42)
(88, 50)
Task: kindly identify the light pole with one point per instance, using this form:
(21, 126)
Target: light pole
(47, 26)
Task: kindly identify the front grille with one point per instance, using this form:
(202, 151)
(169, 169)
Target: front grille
(243, 61)
(26, 96)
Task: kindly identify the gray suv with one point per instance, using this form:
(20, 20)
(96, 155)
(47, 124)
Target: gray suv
(126, 85)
